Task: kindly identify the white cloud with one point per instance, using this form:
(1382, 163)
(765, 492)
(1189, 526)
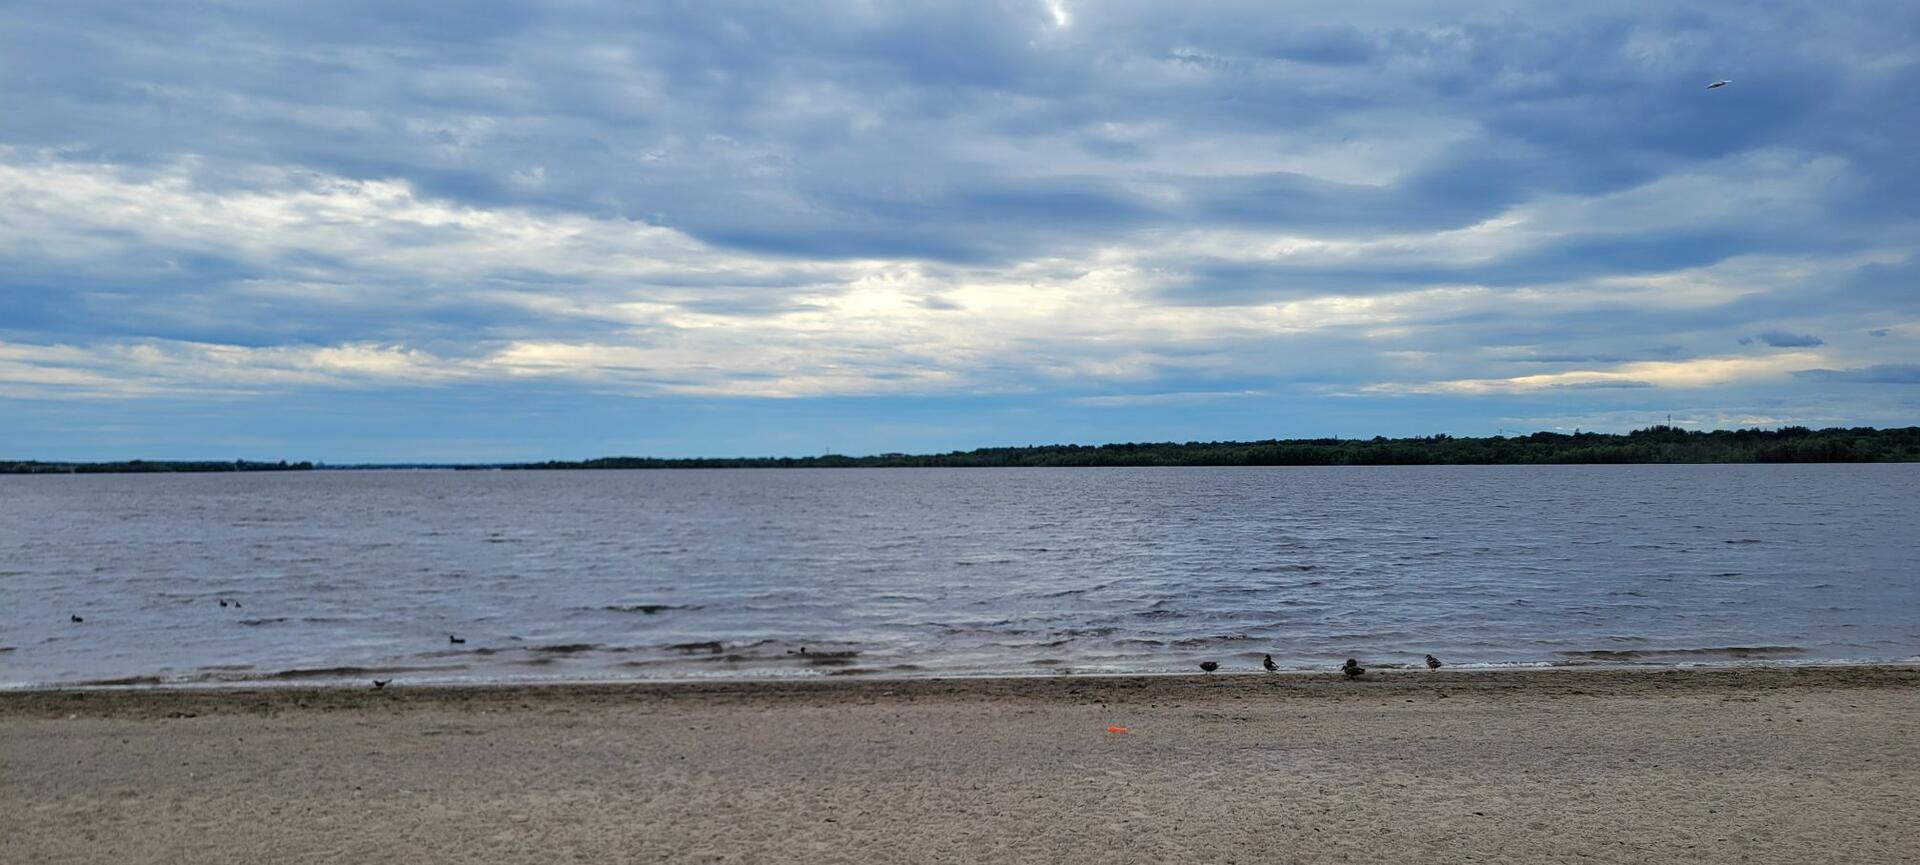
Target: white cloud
(1693, 373)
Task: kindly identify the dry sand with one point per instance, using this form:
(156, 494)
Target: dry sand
(1751, 765)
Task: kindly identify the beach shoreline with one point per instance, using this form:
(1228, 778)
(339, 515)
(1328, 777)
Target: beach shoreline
(133, 691)
(350, 677)
(1755, 764)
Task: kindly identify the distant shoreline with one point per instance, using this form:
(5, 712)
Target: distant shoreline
(1659, 445)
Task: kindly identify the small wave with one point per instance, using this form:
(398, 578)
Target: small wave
(122, 682)
(566, 648)
(341, 672)
(1102, 631)
(6, 649)
(255, 623)
(710, 646)
(828, 659)
(1197, 642)
(647, 609)
(1642, 654)
(1745, 541)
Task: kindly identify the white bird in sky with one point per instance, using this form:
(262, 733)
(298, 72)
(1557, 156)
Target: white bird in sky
(1719, 84)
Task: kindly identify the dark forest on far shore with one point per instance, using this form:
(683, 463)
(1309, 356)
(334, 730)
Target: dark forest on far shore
(1659, 444)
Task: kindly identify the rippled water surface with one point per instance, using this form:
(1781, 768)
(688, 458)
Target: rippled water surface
(669, 574)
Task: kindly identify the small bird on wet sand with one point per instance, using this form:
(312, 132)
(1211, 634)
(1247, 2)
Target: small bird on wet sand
(1268, 663)
(380, 683)
(76, 619)
(1209, 666)
(1433, 663)
(455, 640)
(1353, 669)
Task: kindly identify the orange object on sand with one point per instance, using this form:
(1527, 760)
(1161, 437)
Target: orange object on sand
(1116, 728)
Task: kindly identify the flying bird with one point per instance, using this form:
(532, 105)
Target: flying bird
(380, 683)
(1209, 666)
(1269, 664)
(1433, 663)
(1353, 669)
(455, 640)
(1719, 84)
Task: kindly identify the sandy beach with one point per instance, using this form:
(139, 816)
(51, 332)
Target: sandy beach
(1740, 765)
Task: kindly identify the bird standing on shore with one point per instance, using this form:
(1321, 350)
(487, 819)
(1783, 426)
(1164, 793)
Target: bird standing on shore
(380, 683)
(455, 640)
(1433, 663)
(1353, 669)
(1209, 666)
(1268, 663)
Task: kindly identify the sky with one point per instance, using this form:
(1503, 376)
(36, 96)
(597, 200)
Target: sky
(476, 230)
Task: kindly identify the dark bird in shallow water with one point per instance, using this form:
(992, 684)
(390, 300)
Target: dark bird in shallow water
(1353, 669)
(380, 683)
(76, 619)
(1209, 666)
(455, 640)
(223, 601)
(1269, 664)
(1433, 663)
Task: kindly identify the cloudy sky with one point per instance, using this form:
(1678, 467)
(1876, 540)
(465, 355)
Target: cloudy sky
(489, 230)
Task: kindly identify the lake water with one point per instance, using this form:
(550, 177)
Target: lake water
(750, 573)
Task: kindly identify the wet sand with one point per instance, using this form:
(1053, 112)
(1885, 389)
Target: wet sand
(1743, 765)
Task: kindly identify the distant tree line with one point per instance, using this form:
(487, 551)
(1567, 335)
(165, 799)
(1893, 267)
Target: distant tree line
(1659, 444)
(35, 467)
